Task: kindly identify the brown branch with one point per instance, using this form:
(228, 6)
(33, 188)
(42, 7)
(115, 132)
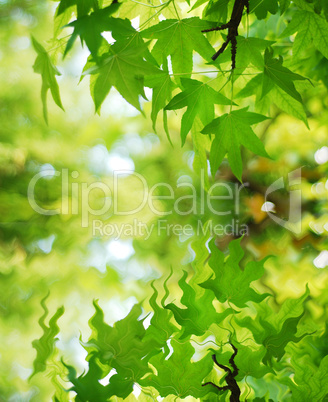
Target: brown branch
(232, 385)
(232, 26)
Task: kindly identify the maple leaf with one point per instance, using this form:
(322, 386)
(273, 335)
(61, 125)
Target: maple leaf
(275, 342)
(284, 4)
(248, 362)
(263, 7)
(90, 27)
(178, 39)
(309, 382)
(178, 375)
(276, 74)
(45, 345)
(219, 8)
(162, 86)
(124, 68)
(275, 330)
(83, 6)
(200, 99)
(279, 97)
(161, 328)
(288, 104)
(250, 52)
(44, 66)
(122, 346)
(231, 282)
(311, 28)
(233, 130)
(200, 313)
(87, 386)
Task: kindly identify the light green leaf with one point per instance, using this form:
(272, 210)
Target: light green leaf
(44, 66)
(311, 27)
(161, 328)
(179, 375)
(200, 146)
(250, 52)
(275, 330)
(178, 39)
(218, 8)
(251, 88)
(162, 92)
(200, 100)
(232, 131)
(249, 363)
(120, 347)
(124, 68)
(45, 345)
(200, 313)
(288, 104)
(310, 383)
(230, 282)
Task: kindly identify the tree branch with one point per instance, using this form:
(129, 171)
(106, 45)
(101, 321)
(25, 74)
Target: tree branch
(232, 26)
(232, 385)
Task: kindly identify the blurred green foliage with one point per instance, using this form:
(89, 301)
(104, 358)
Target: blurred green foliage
(41, 254)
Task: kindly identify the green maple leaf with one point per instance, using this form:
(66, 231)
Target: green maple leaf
(231, 283)
(178, 375)
(200, 99)
(44, 66)
(178, 39)
(250, 52)
(279, 97)
(200, 313)
(248, 362)
(160, 329)
(87, 386)
(311, 28)
(90, 27)
(162, 86)
(288, 105)
(233, 130)
(275, 330)
(218, 8)
(263, 7)
(83, 6)
(276, 342)
(124, 68)
(121, 346)
(45, 345)
(284, 4)
(253, 87)
(276, 74)
(309, 382)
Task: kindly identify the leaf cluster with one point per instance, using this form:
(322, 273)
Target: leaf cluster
(165, 51)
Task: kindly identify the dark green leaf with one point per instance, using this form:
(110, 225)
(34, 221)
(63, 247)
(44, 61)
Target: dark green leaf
(276, 74)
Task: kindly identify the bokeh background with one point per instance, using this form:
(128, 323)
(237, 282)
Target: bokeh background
(41, 254)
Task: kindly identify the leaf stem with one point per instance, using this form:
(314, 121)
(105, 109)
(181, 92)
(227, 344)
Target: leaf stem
(150, 6)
